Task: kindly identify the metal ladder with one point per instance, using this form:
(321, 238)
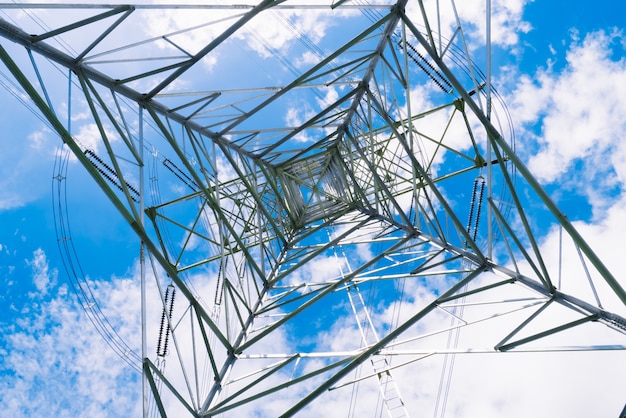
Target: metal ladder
(386, 383)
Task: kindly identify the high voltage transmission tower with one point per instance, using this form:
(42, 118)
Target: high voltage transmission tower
(326, 194)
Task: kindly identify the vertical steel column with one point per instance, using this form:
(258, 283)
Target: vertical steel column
(142, 264)
(489, 159)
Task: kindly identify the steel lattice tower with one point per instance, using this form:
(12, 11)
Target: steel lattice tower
(325, 193)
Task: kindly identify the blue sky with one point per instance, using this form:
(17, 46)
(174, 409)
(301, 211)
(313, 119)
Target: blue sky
(561, 69)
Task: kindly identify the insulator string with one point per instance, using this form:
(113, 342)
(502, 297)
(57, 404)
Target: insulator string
(110, 174)
(164, 328)
(476, 203)
(427, 67)
(472, 204)
(479, 208)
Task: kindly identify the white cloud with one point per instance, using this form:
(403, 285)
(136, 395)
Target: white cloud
(277, 31)
(307, 59)
(266, 34)
(329, 98)
(297, 115)
(89, 138)
(59, 365)
(37, 139)
(582, 109)
(506, 22)
(20, 165)
(511, 384)
(605, 236)
(42, 277)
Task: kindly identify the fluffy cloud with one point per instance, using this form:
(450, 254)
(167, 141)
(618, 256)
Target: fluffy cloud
(581, 110)
(55, 363)
(506, 20)
(19, 165)
(42, 277)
